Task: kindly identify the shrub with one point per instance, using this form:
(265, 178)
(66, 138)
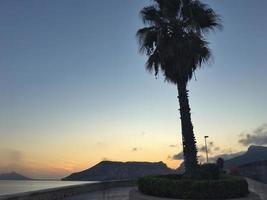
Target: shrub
(234, 172)
(169, 186)
(207, 172)
(220, 163)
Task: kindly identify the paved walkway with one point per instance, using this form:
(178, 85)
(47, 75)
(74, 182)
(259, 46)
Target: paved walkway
(258, 188)
(121, 193)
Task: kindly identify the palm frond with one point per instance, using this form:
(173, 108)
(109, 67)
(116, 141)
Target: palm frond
(198, 47)
(153, 63)
(151, 15)
(198, 16)
(147, 37)
(169, 8)
(174, 39)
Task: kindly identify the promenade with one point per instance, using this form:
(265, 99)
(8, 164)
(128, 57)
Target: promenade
(111, 190)
(122, 193)
(258, 188)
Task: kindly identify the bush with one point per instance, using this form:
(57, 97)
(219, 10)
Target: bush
(173, 186)
(207, 172)
(220, 163)
(234, 172)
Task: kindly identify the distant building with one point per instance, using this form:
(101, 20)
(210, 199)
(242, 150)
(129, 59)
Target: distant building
(255, 170)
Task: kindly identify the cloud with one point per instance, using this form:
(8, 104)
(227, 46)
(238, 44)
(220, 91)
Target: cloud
(211, 148)
(135, 149)
(11, 156)
(106, 159)
(201, 159)
(217, 149)
(226, 156)
(173, 145)
(179, 156)
(202, 149)
(11, 160)
(256, 137)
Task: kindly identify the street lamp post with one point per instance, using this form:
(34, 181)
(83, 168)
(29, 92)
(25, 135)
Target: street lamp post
(205, 137)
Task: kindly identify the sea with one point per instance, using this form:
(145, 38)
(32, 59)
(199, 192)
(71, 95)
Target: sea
(13, 187)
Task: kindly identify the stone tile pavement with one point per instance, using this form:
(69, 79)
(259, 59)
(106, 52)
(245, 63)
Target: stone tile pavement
(122, 193)
(258, 188)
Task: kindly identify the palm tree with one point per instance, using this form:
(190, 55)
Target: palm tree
(174, 41)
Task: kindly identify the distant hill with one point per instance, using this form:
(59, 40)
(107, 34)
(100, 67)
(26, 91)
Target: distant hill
(13, 176)
(254, 154)
(109, 170)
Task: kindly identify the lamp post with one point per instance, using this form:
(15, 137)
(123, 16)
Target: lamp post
(205, 137)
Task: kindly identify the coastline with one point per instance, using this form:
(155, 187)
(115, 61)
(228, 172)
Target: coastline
(67, 191)
(88, 189)
(10, 187)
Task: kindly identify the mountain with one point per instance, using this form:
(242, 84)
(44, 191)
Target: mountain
(109, 170)
(13, 176)
(233, 160)
(253, 154)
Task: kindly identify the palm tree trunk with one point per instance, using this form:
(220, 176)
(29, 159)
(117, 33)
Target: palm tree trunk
(189, 141)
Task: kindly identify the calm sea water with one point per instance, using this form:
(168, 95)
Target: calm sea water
(12, 187)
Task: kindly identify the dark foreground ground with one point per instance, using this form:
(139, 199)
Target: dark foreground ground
(109, 194)
(122, 193)
(258, 188)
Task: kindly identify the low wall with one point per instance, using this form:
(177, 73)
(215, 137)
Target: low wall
(68, 191)
(256, 170)
(136, 195)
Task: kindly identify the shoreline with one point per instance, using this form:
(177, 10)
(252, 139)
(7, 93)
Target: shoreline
(67, 191)
(12, 187)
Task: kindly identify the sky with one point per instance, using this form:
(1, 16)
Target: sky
(74, 90)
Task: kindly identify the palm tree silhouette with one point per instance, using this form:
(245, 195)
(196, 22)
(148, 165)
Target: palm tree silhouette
(174, 41)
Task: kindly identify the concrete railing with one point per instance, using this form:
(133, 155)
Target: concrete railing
(68, 191)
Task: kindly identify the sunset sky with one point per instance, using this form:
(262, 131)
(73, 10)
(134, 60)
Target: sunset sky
(74, 90)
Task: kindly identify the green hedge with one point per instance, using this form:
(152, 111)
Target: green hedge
(173, 186)
(207, 171)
